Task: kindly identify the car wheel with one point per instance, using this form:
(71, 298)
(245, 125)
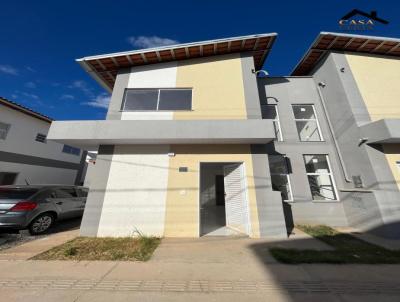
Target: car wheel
(41, 224)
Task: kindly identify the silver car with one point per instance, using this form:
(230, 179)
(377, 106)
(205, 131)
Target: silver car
(36, 207)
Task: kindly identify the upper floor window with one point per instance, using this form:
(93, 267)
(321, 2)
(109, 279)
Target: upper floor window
(307, 123)
(320, 177)
(41, 138)
(4, 130)
(71, 150)
(271, 112)
(279, 169)
(157, 99)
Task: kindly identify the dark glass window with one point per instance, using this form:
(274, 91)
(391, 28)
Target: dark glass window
(7, 178)
(66, 193)
(16, 193)
(172, 99)
(71, 150)
(157, 99)
(141, 99)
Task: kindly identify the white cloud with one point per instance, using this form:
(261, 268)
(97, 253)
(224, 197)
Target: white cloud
(30, 95)
(30, 85)
(101, 101)
(82, 86)
(149, 42)
(30, 69)
(8, 69)
(67, 97)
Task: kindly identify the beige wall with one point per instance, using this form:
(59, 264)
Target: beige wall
(182, 205)
(378, 79)
(218, 91)
(392, 152)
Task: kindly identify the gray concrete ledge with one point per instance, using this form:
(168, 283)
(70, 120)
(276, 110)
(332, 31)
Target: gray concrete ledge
(382, 131)
(86, 134)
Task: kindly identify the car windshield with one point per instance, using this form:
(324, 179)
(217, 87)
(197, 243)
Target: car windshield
(16, 193)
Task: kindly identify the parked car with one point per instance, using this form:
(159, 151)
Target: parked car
(37, 207)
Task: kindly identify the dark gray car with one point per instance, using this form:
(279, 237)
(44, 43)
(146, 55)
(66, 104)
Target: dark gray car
(37, 207)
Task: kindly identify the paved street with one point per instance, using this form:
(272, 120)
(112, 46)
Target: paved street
(212, 269)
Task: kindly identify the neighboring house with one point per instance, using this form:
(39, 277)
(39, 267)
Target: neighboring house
(26, 156)
(194, 143)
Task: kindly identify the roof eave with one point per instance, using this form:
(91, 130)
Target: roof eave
(89, 70)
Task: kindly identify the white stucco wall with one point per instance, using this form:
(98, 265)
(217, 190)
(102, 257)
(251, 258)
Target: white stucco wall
(135, 197)
(22, 133)
(39, 174)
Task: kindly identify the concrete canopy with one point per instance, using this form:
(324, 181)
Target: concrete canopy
(88, 134)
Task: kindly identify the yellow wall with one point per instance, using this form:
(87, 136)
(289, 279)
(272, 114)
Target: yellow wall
(218, 91)
(182, 209)
(378, 79)
(392, 152)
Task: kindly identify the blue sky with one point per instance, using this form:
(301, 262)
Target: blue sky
(41, 39)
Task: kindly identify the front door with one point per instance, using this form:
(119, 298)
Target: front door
(236, 208)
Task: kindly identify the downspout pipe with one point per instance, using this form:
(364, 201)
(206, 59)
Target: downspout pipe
(335, 142)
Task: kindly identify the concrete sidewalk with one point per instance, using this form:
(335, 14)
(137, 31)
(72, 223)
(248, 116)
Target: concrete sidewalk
(212, 269)
(156, 281)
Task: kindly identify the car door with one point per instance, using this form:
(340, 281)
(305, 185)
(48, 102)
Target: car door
(68, 202)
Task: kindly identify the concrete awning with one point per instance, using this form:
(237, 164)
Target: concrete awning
(89, 134)
(382, 131)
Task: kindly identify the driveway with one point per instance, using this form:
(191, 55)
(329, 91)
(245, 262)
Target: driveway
(25, 245)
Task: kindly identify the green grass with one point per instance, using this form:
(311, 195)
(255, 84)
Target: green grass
(85, 248)
(348, 249)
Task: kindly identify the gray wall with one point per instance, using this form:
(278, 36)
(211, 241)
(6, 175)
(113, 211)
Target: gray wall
(121, 82)
(98, 185)
(347, 111)
(285, 91)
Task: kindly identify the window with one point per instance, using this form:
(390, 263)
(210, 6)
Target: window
(66, 193)
(320, 177)
(4, 130)
(279, 170)
(270, 112)
(14, 193)
(71, 150)
(157, 99)
(7, 178)
(307, 123)
(83, 192)
(41, 138)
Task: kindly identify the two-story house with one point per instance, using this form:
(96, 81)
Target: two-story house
(27, 157)
(197, 142)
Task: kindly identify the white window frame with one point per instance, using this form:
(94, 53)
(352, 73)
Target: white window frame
(158, 100)
(330, 173)
(277, 120)
(4, 131)
(308, 119)
(287, 176)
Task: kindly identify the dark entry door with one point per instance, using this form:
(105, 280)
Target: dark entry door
(219, 190)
